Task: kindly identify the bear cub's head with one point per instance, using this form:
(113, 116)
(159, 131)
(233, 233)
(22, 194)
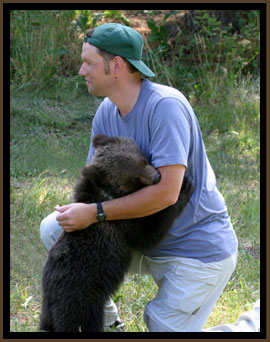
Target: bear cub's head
(119, 166)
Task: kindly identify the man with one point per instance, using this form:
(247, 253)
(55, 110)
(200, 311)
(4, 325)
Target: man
(192, 265)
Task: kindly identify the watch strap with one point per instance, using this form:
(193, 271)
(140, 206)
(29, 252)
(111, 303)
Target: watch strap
(101, 216)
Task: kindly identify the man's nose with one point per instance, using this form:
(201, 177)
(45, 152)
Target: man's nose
(82, 71)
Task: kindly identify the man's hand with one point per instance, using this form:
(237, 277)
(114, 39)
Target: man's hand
(76, 216)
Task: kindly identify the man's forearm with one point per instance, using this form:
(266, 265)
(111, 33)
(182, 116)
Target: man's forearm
(150, 199)
(143, 202)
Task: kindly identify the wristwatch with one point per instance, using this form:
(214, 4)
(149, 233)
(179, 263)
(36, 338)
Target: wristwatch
(101, 216)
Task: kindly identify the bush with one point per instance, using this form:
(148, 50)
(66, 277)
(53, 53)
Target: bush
(202, 43)
(42, 46)
(46, 44)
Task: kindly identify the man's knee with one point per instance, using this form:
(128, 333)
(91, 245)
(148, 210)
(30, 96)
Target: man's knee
(49, 230)
(160, 317)
(153, 322)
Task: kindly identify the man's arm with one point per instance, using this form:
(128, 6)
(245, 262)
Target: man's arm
(143, 202)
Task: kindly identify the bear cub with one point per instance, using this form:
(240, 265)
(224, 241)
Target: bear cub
(85, 267)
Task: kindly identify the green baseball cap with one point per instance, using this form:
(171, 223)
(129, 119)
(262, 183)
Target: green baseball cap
(123, 41)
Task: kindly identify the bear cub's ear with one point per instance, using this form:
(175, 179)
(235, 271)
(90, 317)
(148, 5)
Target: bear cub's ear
(103, 140)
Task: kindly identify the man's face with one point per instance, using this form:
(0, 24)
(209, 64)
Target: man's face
(97, 81)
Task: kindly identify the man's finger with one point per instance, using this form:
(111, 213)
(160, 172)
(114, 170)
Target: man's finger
(62, 208)
(62, 217)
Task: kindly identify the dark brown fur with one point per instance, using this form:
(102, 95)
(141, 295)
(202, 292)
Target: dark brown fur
(85, 267)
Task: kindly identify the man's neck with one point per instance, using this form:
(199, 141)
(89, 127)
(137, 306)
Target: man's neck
(126, 95)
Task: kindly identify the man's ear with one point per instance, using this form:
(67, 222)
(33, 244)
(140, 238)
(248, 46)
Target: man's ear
(117, 65)
(103, 140)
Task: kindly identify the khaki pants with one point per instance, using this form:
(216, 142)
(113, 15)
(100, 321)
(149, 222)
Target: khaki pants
(188, 291)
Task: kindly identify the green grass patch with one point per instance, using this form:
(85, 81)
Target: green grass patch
(51, 130)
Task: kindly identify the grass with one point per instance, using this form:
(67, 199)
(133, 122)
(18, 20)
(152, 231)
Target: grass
(50, 134)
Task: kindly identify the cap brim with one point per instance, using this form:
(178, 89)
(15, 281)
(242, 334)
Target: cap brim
(138, 64)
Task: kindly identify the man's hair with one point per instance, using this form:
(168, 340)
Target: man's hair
(108, 57)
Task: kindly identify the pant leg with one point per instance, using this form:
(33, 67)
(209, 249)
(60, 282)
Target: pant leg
(50, 230)
(188, 291)
(110, 313)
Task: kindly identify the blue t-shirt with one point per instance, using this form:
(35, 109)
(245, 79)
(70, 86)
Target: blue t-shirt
(164, 126)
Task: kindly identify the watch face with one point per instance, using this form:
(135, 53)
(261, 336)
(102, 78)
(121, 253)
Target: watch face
(101, 217)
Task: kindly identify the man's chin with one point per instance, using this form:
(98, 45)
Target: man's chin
(94, 92)
(91, 91)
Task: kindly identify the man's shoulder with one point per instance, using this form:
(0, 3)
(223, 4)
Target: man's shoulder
(106, 103)
(161, 91)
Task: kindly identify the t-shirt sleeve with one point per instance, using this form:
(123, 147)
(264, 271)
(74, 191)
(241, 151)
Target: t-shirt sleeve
(92, 150)
(170, 133)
